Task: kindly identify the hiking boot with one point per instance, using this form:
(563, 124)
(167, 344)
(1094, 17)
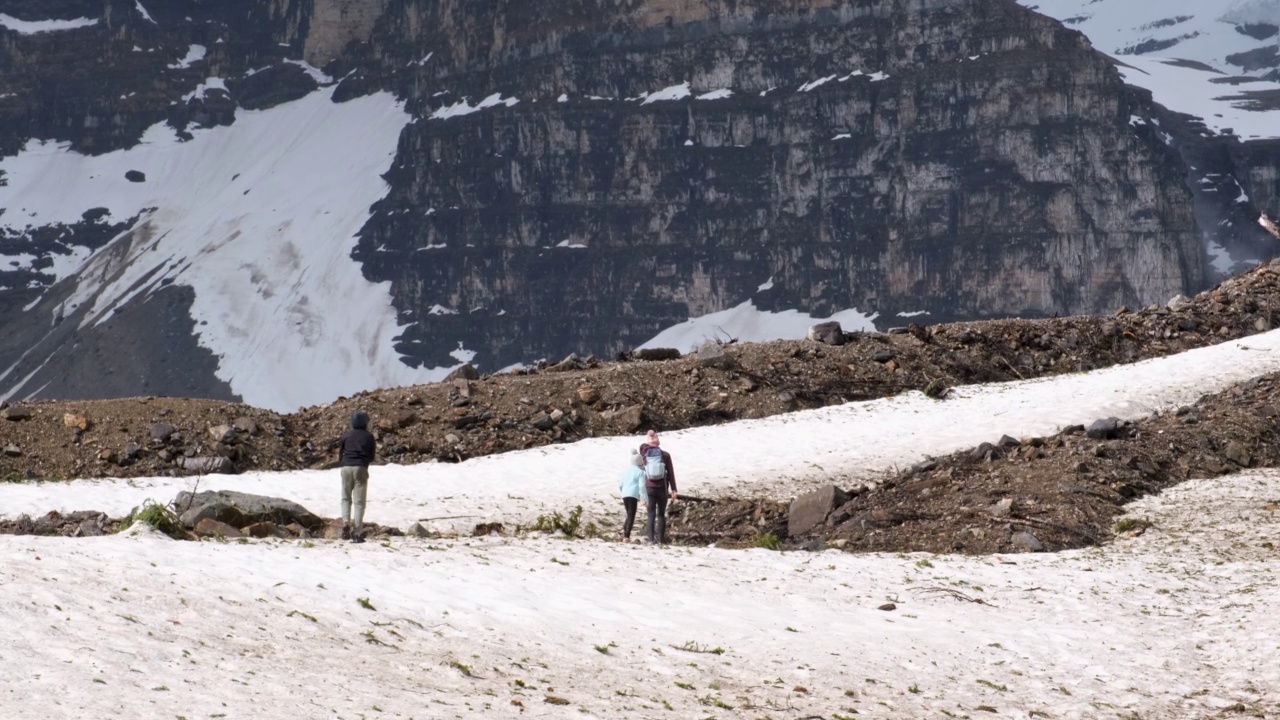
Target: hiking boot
(346, 533)
(357, 537)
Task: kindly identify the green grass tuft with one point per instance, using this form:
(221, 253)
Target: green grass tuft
(157, 516)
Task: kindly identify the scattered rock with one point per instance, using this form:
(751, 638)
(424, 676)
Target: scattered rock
(656, 354)
(12, 450)
(827, 333)
(628, 419)
(713, 355)
(135, 176)
(1237, 453)
(588, 395)
(888, 607)
(466, 372)
(1026, 541)
(162, 431)
(811, 510)
(265, 529)
(1104, 429)
(15, 413)
(207, 464)
(1004, 508)
(984, 451)
(75, 420)
(222, 433)
(208, 527)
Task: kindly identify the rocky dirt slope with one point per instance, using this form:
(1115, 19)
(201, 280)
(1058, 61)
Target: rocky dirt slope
(1065, 489)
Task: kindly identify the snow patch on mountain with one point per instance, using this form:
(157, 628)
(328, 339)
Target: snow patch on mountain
(195, 54)
(277, 297)
(31, 27)
(143, 12)
(464, 106)
(1199, 58)
(747, 323)
(675, 92)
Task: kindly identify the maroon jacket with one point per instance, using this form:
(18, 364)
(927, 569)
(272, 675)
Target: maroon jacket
(671, 470)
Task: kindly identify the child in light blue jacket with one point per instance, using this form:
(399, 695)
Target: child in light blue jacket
(632, 489)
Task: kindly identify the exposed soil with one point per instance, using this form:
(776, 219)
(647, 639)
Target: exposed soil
(944, 508)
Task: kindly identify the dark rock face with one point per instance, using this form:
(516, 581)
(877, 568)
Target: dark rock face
(968, 158)
(1010, 183)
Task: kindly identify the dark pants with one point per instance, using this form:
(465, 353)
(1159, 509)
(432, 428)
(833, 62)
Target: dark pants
(630, 504)
(657, 508)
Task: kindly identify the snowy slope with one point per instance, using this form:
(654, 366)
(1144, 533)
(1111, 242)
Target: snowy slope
(1182, 50)
(1177, 623)
(259, 218)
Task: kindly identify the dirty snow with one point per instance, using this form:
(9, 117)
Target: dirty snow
(1175, 623)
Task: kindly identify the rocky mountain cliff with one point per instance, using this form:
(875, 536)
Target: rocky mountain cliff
(572, 178)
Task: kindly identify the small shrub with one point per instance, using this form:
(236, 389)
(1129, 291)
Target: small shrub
(571, 526)
(1125, 525)
(768, 541)
(157, 516)
(364, 603)
(694, 647)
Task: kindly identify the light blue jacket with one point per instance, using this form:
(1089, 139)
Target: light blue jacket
(632, 483)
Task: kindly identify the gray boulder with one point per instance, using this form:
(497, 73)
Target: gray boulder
(242, 509)
(1026, 541)
(1104, 429)
(208, 464)
(811, 510)
(827, 333)
(655, 354)
(162, 431)
(466, 372)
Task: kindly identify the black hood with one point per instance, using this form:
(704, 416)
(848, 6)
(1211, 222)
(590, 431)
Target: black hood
(359, 420)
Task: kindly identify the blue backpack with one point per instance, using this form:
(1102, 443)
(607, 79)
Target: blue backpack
(655, 470)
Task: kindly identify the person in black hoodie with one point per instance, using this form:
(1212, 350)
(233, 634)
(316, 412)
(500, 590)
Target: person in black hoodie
(356, 449)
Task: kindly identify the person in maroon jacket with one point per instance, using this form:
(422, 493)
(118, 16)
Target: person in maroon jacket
(660, 476)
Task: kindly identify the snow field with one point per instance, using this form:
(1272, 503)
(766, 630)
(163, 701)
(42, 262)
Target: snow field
(1175, 623)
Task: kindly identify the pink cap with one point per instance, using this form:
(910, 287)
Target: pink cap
(652, 438)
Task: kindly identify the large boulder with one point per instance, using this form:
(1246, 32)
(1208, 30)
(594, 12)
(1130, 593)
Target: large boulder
(208, 464)
(240, 510)
(656, 354)
(809, 511)
(1105, 429)
(828, 333)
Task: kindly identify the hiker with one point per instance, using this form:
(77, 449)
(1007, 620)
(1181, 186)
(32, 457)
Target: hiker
(631, 486)
(660, 475)
(356, 448)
